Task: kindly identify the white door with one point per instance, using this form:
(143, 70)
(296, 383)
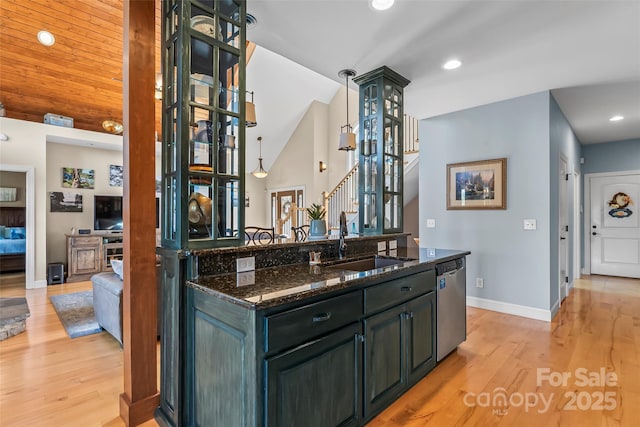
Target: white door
(563, 223)
(615, 225)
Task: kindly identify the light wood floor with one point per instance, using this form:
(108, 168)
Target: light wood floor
(47, 379)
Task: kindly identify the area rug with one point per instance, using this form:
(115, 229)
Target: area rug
(76, 313)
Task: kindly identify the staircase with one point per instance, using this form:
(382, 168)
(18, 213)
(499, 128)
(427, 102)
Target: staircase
(344, 197)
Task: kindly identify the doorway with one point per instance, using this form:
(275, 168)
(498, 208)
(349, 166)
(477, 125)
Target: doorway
(29, 223)
(563, 225)
(612, 224)
(282, 215)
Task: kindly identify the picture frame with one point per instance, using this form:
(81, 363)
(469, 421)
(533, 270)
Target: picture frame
(116, 175)
(479, 184)
(65, 201)
(78, 178)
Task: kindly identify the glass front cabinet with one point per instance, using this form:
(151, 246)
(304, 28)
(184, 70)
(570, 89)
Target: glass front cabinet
(380, 175)
(203, 123)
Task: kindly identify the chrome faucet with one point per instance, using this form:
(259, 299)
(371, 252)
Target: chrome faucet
(342, 248)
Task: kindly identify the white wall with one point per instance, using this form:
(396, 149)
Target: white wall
(27, 147)
(60, 223)
(513, 263)
(297, 164)
(563, 142)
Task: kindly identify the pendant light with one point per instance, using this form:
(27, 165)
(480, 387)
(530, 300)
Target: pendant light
(347, 137)
(260, 172)
(250, 112)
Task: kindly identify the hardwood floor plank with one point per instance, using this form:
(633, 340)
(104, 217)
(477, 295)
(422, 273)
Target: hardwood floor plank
(47, 379)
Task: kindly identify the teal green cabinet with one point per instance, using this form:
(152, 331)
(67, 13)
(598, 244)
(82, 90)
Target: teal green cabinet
(384, 376)
(334, 360)
(399, 350)
(421, 337)
(318, 383)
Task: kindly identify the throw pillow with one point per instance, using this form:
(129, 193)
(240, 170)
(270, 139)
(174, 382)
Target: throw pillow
(116, 264)
(17, 233)
(2, 231)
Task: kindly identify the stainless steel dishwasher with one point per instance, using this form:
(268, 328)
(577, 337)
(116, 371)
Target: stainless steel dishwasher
(452, 305)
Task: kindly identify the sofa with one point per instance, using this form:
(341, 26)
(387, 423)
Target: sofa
(107, 301)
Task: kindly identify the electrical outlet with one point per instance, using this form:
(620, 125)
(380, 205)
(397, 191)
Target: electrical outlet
(530, 224)
(382, 246)
(246, 278)
(393, 244)
(479, 282)
(431, 223)
(245, 264)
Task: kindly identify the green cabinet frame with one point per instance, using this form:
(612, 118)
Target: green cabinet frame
(203, 123)
(381, 171)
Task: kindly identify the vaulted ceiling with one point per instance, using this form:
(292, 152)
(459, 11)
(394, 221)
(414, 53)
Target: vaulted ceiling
(587, 53)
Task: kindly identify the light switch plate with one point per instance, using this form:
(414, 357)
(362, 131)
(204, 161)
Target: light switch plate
(382, 246)
(393, 244)
(431, 223)
(530, 224)
(245, 264)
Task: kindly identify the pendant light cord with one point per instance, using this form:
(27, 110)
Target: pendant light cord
(346, 85)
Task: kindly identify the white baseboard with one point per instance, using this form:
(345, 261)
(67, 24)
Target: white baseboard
(508, 308)
(37, 284)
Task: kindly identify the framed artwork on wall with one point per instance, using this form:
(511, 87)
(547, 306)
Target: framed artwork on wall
(480, 184)
(78, 178)
(116, 176)
(65, 201)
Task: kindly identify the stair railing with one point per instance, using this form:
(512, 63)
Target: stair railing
(344, 197)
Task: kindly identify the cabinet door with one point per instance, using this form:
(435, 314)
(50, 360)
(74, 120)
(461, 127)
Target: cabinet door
(317, 383)
(85, 259)
(421, 336)
(384, 377)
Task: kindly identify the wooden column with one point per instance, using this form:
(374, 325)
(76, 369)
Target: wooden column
(140, 397)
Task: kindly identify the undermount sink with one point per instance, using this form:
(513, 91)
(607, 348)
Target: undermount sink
(365, 264)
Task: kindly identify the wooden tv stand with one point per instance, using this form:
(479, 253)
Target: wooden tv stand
(88, 254)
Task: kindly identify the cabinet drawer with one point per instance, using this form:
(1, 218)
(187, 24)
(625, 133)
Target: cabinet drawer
(391, 293)
(84, 241)
(301, 324)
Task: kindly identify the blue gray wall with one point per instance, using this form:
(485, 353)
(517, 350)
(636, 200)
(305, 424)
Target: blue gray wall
(562, 141)
(611, 156)
(514, 263)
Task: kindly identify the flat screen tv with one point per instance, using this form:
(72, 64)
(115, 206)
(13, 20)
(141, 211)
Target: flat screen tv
(107, 213)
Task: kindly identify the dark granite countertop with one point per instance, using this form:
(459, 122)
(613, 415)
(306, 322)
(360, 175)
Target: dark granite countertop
(273, 286)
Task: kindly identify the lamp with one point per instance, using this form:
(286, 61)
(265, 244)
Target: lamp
(347, 137)
(250, 112)
(260, 172)
(322, 166)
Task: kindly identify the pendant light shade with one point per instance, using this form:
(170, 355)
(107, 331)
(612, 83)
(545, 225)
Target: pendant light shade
(250, 112)
(260, 171)
(347, 137)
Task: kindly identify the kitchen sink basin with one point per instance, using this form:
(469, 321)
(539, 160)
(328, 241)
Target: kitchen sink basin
(366, 264)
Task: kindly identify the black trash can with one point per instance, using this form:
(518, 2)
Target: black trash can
(55, 273)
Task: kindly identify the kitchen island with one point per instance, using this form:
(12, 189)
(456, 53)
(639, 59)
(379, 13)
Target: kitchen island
(313, 345)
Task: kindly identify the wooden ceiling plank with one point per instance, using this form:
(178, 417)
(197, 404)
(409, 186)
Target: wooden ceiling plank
(62, 29)
(63, 54)
(70, 73)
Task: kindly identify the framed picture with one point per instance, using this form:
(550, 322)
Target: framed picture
(65, 201)
(477, 185)
(115, 176)
(78, 178)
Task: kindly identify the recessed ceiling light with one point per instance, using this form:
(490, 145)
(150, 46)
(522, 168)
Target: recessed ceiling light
(452, 64)
(382, 4)
(616, 118)
(46, 38)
